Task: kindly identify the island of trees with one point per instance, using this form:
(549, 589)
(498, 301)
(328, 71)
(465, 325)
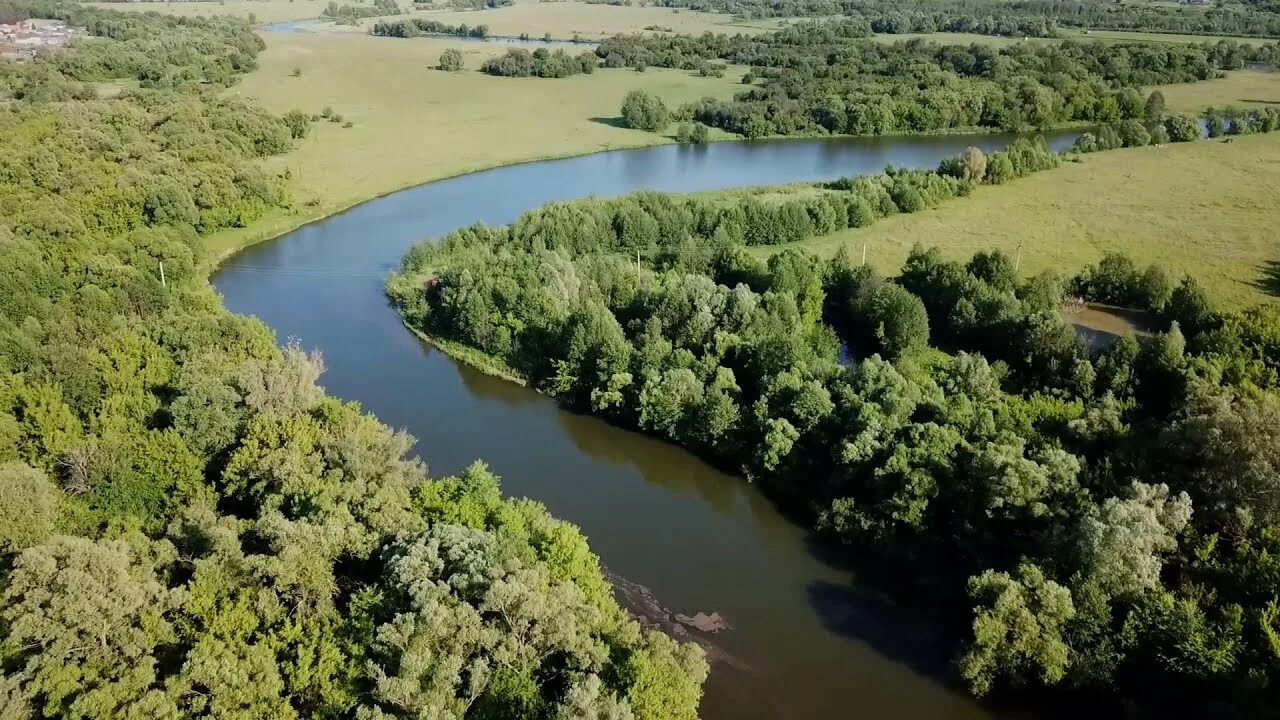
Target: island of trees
(1108, 517)
(189, 526)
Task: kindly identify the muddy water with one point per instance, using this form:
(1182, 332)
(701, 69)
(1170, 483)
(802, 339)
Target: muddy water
(805, 642)
(1100, 325)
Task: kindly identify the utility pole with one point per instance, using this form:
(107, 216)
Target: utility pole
(637, 264)
(1017, 261)
(162, 282)
(864, 253)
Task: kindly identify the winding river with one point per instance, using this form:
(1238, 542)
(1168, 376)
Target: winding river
(806, 642)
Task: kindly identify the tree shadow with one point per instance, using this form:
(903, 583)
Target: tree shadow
(1269, 283)
(617, 122)
(906, 635)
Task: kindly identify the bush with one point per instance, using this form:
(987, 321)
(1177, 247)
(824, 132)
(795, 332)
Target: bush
(451, 60)
(643, 111)
(298, 122)
(1183, 128)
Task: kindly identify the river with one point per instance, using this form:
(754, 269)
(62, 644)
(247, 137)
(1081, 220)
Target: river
(808, 644)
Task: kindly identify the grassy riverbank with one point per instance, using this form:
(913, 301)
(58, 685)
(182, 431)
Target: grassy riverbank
(488, 364)
(412, 124)
(1205, 209)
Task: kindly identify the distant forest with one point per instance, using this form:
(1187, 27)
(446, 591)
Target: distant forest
(816, 77)
(1016, 18)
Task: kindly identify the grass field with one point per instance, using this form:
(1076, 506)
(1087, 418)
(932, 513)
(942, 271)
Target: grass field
(262, 11)
(1243, 88)
(1207, 209)
(413, 124)
(562, 19)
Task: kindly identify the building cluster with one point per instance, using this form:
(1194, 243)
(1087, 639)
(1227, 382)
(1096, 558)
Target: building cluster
(21, 39)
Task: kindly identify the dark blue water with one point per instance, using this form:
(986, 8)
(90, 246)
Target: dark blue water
(809, 645)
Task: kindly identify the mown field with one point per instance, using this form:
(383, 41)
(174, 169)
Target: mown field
(412, 124)
(1206, 209)
(1243, 88)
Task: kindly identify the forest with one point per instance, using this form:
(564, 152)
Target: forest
(1016, 18)
(818, 78)
(189, 526)
(1106, 520)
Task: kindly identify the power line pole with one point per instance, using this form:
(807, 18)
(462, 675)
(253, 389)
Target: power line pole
(1017, 261)
(864, 253)
(162, 282)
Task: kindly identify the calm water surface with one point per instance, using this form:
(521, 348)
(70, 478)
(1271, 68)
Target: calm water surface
(701, 539)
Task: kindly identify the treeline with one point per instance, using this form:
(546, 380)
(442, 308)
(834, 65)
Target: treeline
(189, 526)
(1110, 519)
(814, 79)
(478, 4)
(349, 13)
(1019, 18)
(413, 27)
(142, 49)
(682, 232)
(518, 62)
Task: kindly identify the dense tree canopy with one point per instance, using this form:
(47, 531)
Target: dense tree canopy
(1108, 515)
(189, 526)
(822, 78)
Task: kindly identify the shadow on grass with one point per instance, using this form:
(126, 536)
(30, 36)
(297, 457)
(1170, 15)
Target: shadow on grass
(1269, 283)
(617, 122)
(1260, 102)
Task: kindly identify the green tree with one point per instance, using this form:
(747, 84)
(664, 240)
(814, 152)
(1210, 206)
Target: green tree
(1153, 110)
(643, 111)
(895, 318)
(298, 122)
(1214, 125)
(1122, 540)
(29, 506)
(1017, 629)
(85, 622)
(451, 60)
(1183, 128)
(974, 163)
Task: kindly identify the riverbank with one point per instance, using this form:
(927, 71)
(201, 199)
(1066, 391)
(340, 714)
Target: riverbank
(1204, 208)
(701, 539)
(477, 359)
(412, 124)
